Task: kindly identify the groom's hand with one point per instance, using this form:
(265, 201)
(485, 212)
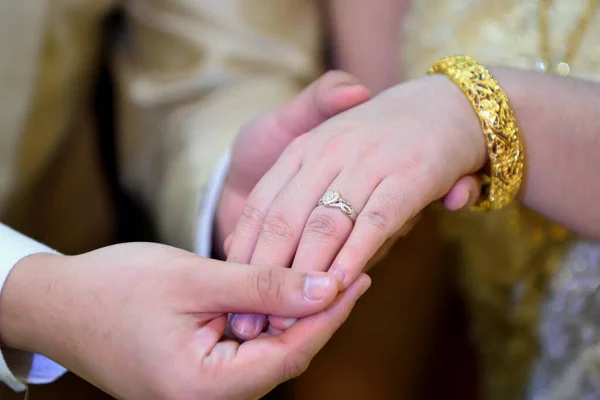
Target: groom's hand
(261, 142)
(145, 321)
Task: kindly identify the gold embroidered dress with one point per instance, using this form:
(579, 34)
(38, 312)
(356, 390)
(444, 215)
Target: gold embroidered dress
(532, 288)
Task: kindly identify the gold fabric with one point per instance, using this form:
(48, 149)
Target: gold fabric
(189, 74)
(53, 188)
(509, 256)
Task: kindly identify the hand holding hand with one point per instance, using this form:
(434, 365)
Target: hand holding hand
(388, 158)
(261, 142)
(145, 321)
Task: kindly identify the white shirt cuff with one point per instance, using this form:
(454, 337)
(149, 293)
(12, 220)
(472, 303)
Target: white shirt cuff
(206, 217)
(36, 369)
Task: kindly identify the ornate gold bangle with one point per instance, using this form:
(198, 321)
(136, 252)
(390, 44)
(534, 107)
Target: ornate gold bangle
(504, 173)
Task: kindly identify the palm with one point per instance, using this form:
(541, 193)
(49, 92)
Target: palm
(225, 361)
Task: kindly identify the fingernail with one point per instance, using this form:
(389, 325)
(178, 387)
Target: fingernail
(246, 324)
(316, 287)
(346, 84)
(288, 322)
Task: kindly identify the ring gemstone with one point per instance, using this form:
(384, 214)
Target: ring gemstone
(331, 197)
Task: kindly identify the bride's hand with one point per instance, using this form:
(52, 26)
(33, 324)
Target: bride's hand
(388, 158)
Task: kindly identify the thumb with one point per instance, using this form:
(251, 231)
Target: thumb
(238, 288)
(333, 93)
(270, 359)
(464, 194)
(262, 141)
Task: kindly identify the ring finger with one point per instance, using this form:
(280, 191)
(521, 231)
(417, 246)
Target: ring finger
(275, 241)
(287, 216)
(248, 228)
(330, 224)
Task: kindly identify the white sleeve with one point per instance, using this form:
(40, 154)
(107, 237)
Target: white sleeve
(204, 227)
(24, 367)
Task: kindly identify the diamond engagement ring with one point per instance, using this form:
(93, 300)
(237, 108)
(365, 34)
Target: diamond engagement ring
(333, 199)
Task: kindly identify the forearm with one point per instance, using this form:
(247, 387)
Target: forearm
(560, 124)
(366, 39)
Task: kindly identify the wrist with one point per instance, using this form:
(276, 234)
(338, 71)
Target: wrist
(449, 115)
(26, 302)
(464, 124)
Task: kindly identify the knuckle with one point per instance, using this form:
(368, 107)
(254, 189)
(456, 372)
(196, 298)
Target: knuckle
(388, 208)
(321, 226)
(267, 284)
(369, 152)
(393, 202)
(335, 77)
(332, 145)
(251, 217)
(296, 147)
(411, 163)
(379, 219)
(278, 228)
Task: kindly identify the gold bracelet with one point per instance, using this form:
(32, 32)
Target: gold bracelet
(505, 170)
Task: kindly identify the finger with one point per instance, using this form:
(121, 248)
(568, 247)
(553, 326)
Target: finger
(333, 93)
(260, 199)
(280, 234)
(464, 193)
(287, 355)
(238, 288)
(222, 352)
(474, 187)
(208, 337)
(285, 220)
(327, 229)
(330, 95)
(390, 206)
